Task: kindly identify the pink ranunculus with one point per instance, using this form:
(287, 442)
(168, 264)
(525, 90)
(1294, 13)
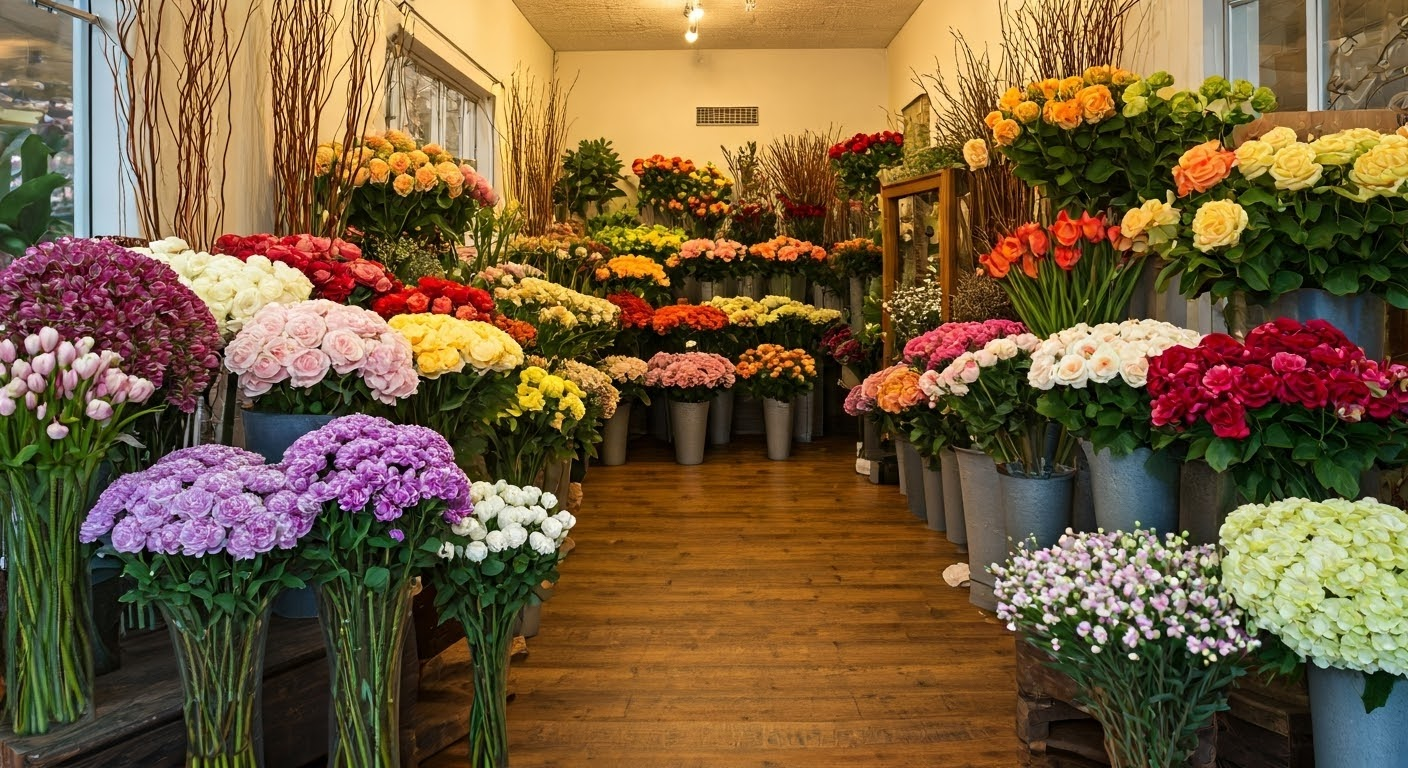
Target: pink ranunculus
(345, 349)
(308, 368)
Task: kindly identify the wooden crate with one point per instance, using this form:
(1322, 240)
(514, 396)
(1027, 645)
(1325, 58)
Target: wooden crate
(1267, 725)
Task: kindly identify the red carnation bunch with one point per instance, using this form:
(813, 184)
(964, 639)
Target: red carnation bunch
(858, 160)
(1322, 412)
(437, 296)
(335, 267)
(636, 313)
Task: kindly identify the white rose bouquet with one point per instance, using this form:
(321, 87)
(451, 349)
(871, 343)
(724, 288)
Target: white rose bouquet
(490, 565)
(1092, 379)
(232, 289)
(1325, 577)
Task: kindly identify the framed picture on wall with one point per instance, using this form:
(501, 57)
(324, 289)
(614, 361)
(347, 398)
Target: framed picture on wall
(917, 118)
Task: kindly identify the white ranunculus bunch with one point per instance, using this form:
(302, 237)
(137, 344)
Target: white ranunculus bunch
(507, 519)
(1324, 577)
(232, 289)
(1103, 353)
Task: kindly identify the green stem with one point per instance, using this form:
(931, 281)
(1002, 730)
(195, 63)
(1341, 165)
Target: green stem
(221, 659)
(490, 634)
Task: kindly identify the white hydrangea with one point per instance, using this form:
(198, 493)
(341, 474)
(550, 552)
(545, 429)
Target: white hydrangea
(232, 289)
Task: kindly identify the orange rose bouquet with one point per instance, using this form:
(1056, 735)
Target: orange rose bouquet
(773, 372)
(684, 194)
(788, 256)
(685, 327)
(1109, 138)
(640, 275)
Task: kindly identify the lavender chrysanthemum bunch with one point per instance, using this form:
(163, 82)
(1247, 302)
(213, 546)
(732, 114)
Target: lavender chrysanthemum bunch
(1132, 618)
(130, 304)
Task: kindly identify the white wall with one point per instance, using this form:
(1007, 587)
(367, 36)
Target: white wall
(644, 100)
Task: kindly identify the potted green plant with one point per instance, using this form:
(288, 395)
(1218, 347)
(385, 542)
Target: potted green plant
(589, 178)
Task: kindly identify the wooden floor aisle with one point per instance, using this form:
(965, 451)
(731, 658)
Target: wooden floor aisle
(748, 613)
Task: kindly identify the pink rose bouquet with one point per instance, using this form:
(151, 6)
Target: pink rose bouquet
(934, 350)
(689, 377)
(320, 357)
(708, 259)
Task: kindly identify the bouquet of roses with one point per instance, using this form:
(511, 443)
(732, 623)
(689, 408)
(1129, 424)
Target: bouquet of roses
(794, 324)
(707, 259)
(988, 390)
(842, 345)
(689, 377)
(683, 326)
(934, 350)
(635, 274)
(537, 427)
(1093, 380)
(207, 535)
(684, 192)
(859, 258)
(318, 357)
(806, 220)
(858, 160)
(436, 295)
(233, 290)
(569, 323)
(1280, 214)
(896, 394)
(383, 496)
(564, 257)
(505, 275)
(335, 267)
(752, 222)
(1108, 138)
(1322, 578)
(937, 427)
(491, 563)
(1296, 411)
(776, 373)
(659, 243)
(1132, 617)
(785, 256)
(627, 375)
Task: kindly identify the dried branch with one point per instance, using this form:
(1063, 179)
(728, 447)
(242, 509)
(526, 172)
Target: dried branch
(533, 143)
(1061, 38)
(301, 34)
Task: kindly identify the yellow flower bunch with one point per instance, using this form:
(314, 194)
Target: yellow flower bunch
(741, 310)
(601, 392)
(542, 392)
(657, 242)
(445, 344)
(564, 302)
(632, 267)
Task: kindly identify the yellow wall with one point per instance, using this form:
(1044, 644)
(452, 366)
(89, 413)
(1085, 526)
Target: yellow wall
(644, 101)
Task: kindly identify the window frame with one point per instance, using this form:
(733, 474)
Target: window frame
(476, 113)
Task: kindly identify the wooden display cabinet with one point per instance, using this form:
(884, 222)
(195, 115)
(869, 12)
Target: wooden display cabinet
(905, 263)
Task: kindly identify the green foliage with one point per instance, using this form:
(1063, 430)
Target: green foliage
(589, 177)
(26, 212)
(1113, 416)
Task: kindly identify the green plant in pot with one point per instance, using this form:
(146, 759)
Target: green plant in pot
(589, 178)
(26, 211)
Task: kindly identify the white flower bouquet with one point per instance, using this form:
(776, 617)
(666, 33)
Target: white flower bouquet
(232, 289)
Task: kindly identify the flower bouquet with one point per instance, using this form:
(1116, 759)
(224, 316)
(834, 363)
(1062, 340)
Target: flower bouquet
(538, 426)
(1296, 411)
(988, 389)
(520, 331)
(207, 534)
(570, 324)
(805, 220)
(690, 380)
(684, 326)
(636, 316)
(938, 427)
(490, 564)
(683, 193)
(383, 496)
(232, 289)
(859, 258)
(1090, 277)
(794, 324)
(1279, 214)
(628, 376)
(465, 369)
(63, 406)
(1107, 139)
(860, 353)
(436, 295)
(335, 267)
(320, 358)
(783, 256)
(635, 274)
(1321, 576)
(752, 222)
(708, 260)
(1143, 628)
(935, 349)
(659, 243)
(565, 258)
(858, 160)
(505, 275)
(777, 376)
(601, 397)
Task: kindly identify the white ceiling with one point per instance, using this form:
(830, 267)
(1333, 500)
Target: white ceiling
(612, 25)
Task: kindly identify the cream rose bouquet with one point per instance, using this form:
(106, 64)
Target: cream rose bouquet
(628, 375)
(570, 324)
(1092, 379)
(1325, 578)
(232, 289)
(1277, 214)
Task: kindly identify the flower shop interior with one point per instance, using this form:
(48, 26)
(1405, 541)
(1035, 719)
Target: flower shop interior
(704, 383)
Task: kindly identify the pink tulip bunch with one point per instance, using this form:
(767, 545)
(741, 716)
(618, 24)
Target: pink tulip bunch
(57, 386)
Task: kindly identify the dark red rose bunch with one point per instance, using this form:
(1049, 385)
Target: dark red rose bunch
(437, 296)
(1296, 410)
(858, 160)
(335, 267)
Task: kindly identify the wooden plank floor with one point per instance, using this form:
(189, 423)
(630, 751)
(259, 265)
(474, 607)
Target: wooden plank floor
(747, 613)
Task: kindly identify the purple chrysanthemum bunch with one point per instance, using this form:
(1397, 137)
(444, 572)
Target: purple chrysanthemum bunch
(128, 303)
(206, 500)
(367, 464)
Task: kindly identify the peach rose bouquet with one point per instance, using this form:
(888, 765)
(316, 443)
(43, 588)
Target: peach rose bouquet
(320, 357)
(774, 372)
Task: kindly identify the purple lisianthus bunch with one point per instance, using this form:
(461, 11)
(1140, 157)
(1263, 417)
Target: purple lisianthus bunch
(130, 304)
(934, 350)
(206, 500)
(364, 464)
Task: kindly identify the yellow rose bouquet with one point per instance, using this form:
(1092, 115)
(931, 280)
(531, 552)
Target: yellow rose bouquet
(1108, 138)
(1278, 214)
(602, 398)
(570, 324)
(536, 427)
(466, 370)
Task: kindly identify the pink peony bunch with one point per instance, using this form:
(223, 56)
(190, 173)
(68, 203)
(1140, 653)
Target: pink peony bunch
(936, 349)
(691, 374)
(299, 346)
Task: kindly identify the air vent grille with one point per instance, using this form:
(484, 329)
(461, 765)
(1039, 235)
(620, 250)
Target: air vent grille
(725, 115)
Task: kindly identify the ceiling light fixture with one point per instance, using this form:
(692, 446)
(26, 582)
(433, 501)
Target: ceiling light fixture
(695, 12)
(691, 34)
(750, 5)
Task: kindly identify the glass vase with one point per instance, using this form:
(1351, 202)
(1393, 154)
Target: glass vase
(222, 680)
(48, 637)
(491, 640)
(364, 630)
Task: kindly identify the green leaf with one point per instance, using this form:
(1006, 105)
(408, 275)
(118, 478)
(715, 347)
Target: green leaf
(377, 578)
(1221, 453)
(1378, 686)
(34, 157)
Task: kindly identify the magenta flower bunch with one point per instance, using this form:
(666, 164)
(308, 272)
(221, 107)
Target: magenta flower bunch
(130, 304)
(934, 350)
(1130, 617)
(857, 402)
(690, 377)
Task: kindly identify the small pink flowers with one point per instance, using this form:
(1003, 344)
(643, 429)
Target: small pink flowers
(689, 374)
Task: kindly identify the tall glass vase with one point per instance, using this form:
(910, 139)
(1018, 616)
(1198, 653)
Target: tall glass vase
(48, 637)
(222, 679)
(491, 639)
(364, 630)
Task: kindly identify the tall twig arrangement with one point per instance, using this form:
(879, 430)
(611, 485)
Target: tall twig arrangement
(1062, 38)
(798, 166)
(534, 139)
(190, 120)
(301, 37)
(750, 181)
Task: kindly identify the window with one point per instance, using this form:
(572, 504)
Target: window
(1322, 54)
(433, 110)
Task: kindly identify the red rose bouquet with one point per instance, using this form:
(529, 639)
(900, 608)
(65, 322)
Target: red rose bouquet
(752, 222)
(437, 296)
(858, 160)
(805, 221)
(1296, 411)
(335, 267)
